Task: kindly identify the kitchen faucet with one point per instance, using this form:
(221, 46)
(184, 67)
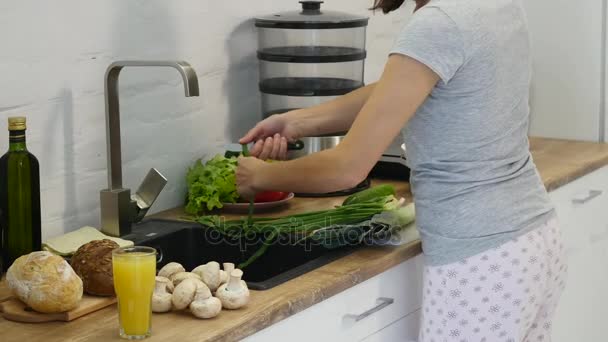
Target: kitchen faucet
(119, 210)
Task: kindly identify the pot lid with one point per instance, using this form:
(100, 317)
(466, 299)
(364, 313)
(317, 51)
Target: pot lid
(311, 17)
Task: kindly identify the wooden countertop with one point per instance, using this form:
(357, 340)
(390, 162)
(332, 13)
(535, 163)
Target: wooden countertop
(558, 161)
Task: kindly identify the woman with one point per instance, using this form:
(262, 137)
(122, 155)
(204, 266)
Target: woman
(457, 83)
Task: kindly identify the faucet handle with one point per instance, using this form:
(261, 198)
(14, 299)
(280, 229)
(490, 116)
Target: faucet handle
(147, 192)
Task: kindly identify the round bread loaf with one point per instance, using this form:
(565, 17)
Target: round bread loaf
(45, 282)
(93, 264)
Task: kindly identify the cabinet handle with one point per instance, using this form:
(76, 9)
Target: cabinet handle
(381, 303)
(588, 198)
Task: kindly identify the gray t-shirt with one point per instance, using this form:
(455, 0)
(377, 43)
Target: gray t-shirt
(474, 181)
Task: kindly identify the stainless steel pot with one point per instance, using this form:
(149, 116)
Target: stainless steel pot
(311, 145)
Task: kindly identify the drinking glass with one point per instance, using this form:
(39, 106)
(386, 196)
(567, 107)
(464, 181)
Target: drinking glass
(134, 277)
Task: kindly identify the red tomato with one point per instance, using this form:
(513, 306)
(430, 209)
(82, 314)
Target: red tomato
(270, 196)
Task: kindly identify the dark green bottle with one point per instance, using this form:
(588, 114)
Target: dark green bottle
(19, 197)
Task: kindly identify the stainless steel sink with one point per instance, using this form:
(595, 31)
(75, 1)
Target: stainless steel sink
(192, 244)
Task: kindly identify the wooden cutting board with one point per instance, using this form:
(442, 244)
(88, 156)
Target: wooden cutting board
(5, 296)
(15, 310)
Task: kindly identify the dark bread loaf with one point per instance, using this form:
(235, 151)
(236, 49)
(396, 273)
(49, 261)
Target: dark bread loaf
(93, 264)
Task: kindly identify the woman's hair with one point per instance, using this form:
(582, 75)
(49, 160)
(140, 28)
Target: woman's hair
(387, 5)
(390, 5)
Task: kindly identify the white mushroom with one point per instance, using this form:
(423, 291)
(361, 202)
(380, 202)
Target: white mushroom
(204, 305)
(210, 274)
(181, 276)
(169, 283)
(235, 293)
(170, 269)
(161, 298)
(225, 273)
(184, 293)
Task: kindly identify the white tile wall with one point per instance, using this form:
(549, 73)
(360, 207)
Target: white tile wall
(53, 56)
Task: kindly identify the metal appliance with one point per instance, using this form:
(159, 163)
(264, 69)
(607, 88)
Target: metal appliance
(308, 57)
(311, 56)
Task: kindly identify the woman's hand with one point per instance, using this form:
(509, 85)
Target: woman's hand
(271, 137)
(248, 170)
(274, 147)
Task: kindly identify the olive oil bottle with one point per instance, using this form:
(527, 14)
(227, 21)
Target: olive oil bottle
(19, 196)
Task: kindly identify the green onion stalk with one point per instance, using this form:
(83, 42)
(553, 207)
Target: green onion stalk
(304, 224)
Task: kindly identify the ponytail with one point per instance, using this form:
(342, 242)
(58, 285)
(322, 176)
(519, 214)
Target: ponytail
(390, 5)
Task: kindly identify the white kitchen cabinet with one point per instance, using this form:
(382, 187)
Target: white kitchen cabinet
(404, 330)
(567, 42)
(583, 308)
(356, 313)
(582, 207)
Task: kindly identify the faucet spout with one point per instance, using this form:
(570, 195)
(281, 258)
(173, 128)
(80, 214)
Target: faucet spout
(118, 210)
(113, 109)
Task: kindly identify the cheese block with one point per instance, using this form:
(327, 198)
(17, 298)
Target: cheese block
(69, 243)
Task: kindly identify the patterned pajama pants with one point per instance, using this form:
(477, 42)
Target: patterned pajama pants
(507, 294)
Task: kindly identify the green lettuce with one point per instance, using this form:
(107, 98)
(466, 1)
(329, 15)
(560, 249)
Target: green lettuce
(211, 184)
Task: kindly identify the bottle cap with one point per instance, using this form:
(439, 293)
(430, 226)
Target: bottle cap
(16, 123)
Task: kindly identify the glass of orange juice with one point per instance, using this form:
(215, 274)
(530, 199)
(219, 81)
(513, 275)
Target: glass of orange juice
(134, 277)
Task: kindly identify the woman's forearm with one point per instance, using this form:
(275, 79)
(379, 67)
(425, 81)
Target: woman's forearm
(335, 116)
(405, 85)
(331, 169)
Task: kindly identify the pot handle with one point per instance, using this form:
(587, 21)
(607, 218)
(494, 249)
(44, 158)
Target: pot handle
(297, 145)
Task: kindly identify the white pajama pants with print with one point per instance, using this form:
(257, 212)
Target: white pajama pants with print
(507, 294)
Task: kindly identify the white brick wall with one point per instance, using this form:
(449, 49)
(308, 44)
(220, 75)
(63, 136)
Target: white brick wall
(53, 56)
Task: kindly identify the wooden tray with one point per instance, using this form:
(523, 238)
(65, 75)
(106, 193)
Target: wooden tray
(15, 310)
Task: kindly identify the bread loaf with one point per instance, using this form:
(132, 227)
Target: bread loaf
(45, 282)
(93, 264)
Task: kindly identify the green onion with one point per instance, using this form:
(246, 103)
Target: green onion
(305, 224)
(260, 251)
(251, 201)
(370, 194)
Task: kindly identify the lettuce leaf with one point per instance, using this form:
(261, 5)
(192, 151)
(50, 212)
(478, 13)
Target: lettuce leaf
(211, 184)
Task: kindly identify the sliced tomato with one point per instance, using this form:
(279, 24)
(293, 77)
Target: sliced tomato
(270, 196)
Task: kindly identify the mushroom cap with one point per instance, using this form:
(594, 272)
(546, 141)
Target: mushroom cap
(206, 308)
(163, 285)
(170, 269)
(233, 299)
(161, 299)
(224, 277)
(202, 293)
(161, 302)
(209, 274)
(177, 278)
(245, 288)
(184, 293)
(202, 290)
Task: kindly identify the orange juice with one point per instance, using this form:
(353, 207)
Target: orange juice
(134, 276)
